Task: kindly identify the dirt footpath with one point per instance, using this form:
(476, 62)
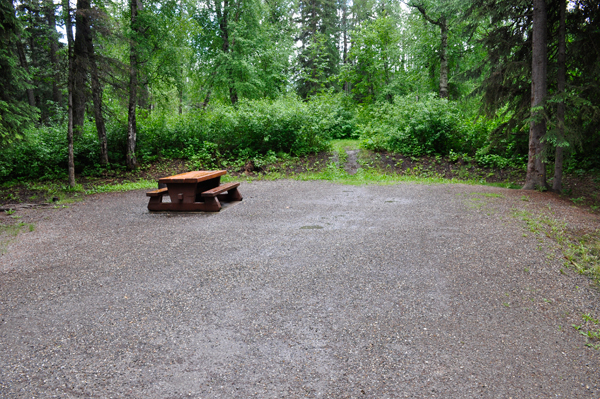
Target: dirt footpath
(302, 289)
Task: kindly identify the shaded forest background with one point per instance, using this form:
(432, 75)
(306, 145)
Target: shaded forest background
(123, 83)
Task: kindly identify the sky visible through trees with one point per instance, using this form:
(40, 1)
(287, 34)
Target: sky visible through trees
(178, 78)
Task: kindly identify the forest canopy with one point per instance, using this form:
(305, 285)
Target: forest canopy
(86, 83)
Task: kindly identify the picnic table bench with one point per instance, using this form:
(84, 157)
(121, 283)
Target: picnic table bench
(199, 190)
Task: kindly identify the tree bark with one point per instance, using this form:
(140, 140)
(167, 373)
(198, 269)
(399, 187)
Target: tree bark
(33, 18)
(132, 163)
(345, 39)
(25, 65)
(144, 93)
(96, 86)
(71, 162)
(69, 32)
(560, 112)
(80, 67)
(443, 58)
(442, 22)
(180, 110)
(53, 49)
(223, 19)
(206, 100)
(536, 167)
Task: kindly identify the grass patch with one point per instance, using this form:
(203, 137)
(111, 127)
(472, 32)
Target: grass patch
(375, 168)
(581, 252)
(590, 330)
(365, 176)
(478, 200)
(341, 146)
(374, 176)
(490, 195)
(9, 232)
(142, 184)
(345, 144)
(343, 158)
(507, 184)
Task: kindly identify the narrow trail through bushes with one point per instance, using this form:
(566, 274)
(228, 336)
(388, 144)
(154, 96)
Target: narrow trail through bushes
(351, 166)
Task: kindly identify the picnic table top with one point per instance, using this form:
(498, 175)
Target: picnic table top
(193, 177)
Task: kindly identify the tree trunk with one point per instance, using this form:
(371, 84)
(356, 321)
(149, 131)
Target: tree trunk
(345, 33)
(560, 112)
(536, 167)
(133, 70)
(180, 92)
(144, 93)
(233, 96)
(223, 19)
(99, 118)
(80, 66)
(53, 39)
(206, 100)
(72, 182)
(444, 59)
(25, 65)
(69, 32)
(33, 17)
(442, 22)
(96, 86)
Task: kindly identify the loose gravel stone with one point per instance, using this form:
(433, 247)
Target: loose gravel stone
(302, 289)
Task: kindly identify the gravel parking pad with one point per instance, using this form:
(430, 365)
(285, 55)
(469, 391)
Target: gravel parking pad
(302, 289)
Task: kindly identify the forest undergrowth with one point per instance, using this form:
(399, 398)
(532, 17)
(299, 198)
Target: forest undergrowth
(375, 167)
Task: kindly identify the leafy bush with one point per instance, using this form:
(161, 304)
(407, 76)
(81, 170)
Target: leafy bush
(339, 112)
(41, 154)
(498, 161)
(208, 157)
(256, 126)
(425, 127)
(253, 130)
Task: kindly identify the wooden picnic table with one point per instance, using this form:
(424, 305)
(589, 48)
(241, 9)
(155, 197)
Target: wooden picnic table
(199, 190)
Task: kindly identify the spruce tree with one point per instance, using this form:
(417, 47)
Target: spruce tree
(15, 112)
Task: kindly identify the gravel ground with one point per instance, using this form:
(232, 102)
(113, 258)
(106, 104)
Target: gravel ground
(302, 289)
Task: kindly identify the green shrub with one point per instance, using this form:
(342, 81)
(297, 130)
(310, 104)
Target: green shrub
(43, 152)
(217, 136)
(432, 126)
(425, 127)
(286, 125)
(208, 157)
(498, 161)
(339, 111)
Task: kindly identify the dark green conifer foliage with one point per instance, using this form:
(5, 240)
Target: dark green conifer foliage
(42, 57)
(506, 88)
(15, 112)
(319, 56)
(582, 92)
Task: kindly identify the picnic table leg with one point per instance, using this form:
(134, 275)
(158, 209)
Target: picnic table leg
(212, 204)
(152, 204)
(232, 195)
